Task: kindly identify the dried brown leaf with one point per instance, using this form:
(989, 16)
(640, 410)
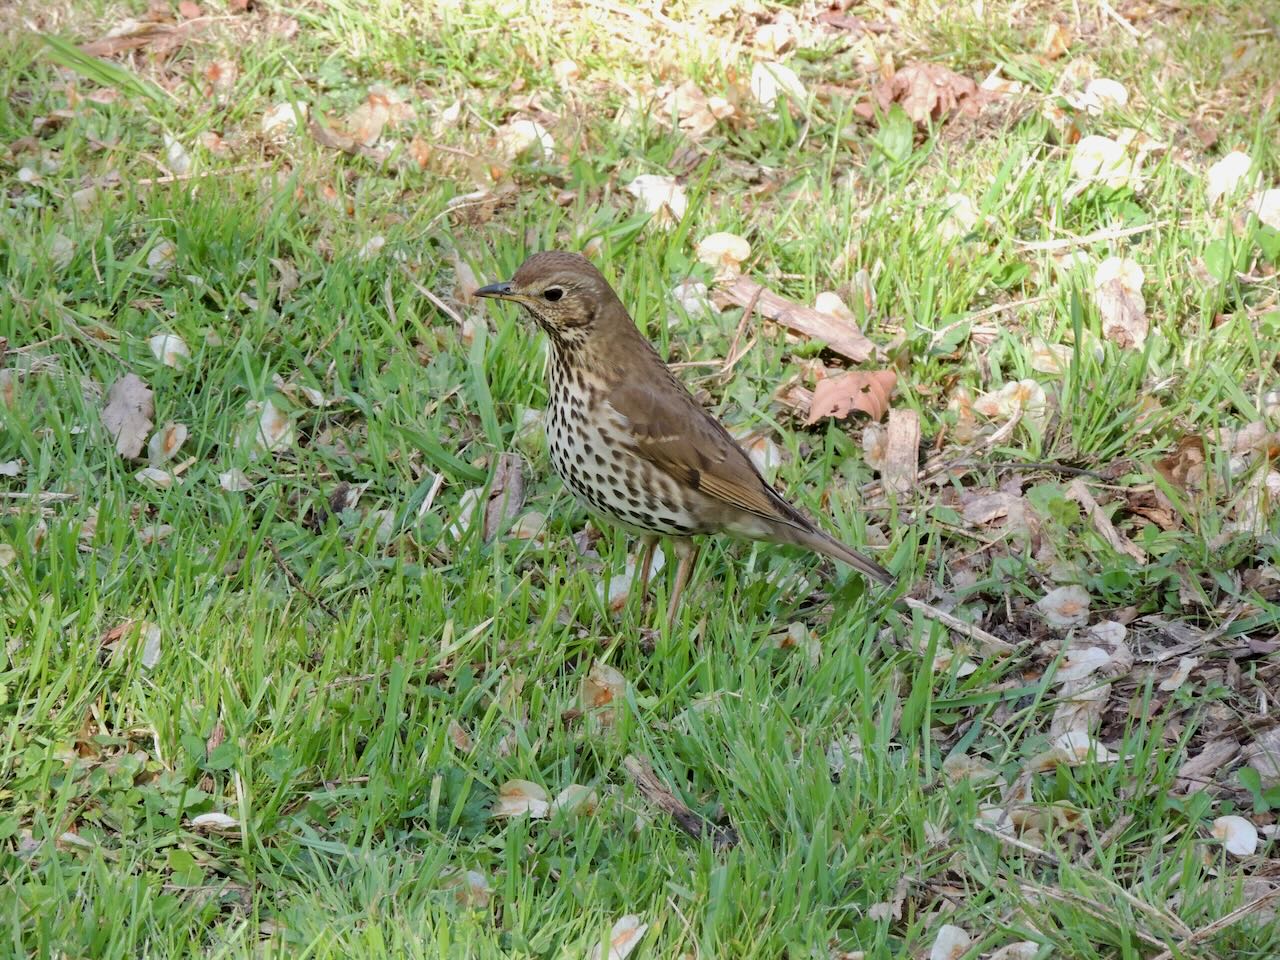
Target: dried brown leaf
(506, 494)
(1078, 492)
(127, 415)
(867, 391)
(927, 91)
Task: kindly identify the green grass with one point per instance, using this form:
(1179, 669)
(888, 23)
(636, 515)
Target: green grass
(312, 663)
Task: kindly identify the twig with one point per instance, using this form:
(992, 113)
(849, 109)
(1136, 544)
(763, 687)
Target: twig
(983, 314)
(439, 304)
(391, 303)
(1253, 906)
(1111, 233)
(324, 344)
(732, 357)
(1138, 903)
(297, 584)
(1091, 907)
(656, 792)
(434, 676)
(40, 497)
(224, 171)
(990, 643)
(1128, 27)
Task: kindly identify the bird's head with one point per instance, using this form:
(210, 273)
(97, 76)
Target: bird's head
(566, 295)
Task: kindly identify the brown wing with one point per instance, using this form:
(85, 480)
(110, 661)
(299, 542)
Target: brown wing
(671, 430)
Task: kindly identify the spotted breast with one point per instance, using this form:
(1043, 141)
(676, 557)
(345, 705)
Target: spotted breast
(590, 452)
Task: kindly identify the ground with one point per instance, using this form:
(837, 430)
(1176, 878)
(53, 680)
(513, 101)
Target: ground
(306, 651)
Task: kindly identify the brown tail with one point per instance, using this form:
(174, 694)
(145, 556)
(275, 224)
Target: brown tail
(822, 542)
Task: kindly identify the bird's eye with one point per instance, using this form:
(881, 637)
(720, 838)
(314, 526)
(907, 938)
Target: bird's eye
(552, 293)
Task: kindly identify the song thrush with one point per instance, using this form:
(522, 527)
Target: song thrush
(628, 439)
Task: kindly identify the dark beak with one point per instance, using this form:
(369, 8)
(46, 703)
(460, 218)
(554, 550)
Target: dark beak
(499, 291)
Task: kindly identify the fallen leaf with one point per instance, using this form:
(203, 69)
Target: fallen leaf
(1184, 468)
(459, 736)
(1227, 176)
(1180, 674)
(176, 157)
(926, 91)
(525, 138)
(506, 494)
(1117, 292)
(952, 943)
(693, 299)
(867, 391)
(1238, 835)
(1022, 950)
(151, 639)
(61, 250)
(1076, 747)
(961, 217)
(1065, 607)
(602, 687)
(1024, 398)
(616, 590)
(1099, 159)
(624, 938)
(170, 349)
(1050, 358)
(162, 258)
(275, 428)
(470, 888)
(215, 823)
(660, 196)
(127, 415)
(7, 555)
(1266, 207)
(1056, 41)
(1080, 662)
(769, 79)
(696, 114)
(421, 151)
(723, 251)
(166, 442)
(10, 468)
(565, 72)
(1099, 96)
(1077, 491)
(830, 302)
(372, 247)
(575, 800)
(155, 477)
(518, 798)
(234, 481)
(841, 336)
(282, 119)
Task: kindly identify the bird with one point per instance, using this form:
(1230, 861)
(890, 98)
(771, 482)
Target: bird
(631, 443)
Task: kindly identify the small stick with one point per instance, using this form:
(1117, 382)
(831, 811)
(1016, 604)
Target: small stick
(1111, 233)
(224, 171)
(657, 793)
(989, 641)
(297, 584)
(730, 359)
(1253, 906)
(439, 304)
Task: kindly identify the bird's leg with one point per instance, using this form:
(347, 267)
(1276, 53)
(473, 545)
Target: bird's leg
(688, 552)
(646, 561)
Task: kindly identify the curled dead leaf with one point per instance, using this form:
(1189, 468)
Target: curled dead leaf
(927, 91)
(867, 391)
(1117, 292)
(127, 415)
